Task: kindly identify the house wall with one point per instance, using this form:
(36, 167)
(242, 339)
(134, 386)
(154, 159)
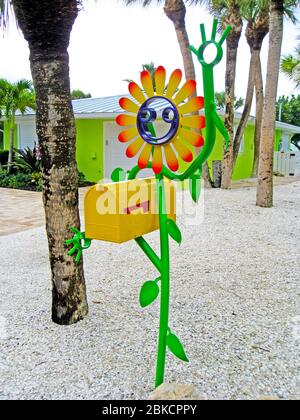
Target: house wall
(7, 136)
(90, 149)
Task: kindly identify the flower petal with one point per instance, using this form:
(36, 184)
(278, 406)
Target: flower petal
(125, 120)
(134, 148)
(136, 92)
(193, 121)
(145, 156)
(183, 150)
(174, 82)
(129, 105)
(195, 104)
(171, 158)
(128, 135)
(195, 139)
(187, 90)
(147, 83)
(157, 161)
(160, 80)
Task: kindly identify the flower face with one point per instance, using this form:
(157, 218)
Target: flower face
(162, 119)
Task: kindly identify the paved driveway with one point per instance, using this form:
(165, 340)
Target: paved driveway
(21, 210)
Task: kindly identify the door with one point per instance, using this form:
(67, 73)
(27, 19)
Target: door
(27, 135)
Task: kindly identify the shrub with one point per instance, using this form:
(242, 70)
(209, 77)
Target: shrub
(27, 161)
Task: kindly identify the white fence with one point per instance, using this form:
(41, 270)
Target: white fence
(285, 163)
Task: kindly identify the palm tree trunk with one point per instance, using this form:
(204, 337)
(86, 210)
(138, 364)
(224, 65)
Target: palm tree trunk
(259, 89)
(264, 197)
(175, 10)
(227, 165)
(46, 26)
(248, 104)
(11, 144)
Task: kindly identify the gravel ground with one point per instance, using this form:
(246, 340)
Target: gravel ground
(235, 304)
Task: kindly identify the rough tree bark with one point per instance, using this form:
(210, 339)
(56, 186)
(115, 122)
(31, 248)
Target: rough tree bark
(234, 19)
(264, 197)
(47, 26)
(259, 94)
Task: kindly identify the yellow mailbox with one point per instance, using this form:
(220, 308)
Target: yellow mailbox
(122, 211)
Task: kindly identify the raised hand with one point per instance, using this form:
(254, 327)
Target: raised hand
(79, 242)
(212, 41)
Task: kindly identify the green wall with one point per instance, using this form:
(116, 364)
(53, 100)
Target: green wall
(6, 136)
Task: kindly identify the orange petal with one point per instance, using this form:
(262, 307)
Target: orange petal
(128, 135)
(171, 158)
(187, 90)
(182, 150)
(195, 139)
(193, 121)
(136, 92)
(129, 105)
(147, 83)
(125, 120)
(145, 156)
(195, 104)
(157, 160)
(174, 82)
(133, 149)
(160, 80)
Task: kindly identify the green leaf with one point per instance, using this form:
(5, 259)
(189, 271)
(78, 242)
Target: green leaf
(118, 175)
(176, 347)
(149, 293)
(174, 231)
(195, 187)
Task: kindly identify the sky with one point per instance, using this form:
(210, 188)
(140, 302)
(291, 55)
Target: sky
(110, 42)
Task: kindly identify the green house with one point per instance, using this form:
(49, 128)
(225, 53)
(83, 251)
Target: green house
(98, 148)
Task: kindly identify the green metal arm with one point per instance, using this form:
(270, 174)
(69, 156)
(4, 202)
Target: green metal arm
(79, 242)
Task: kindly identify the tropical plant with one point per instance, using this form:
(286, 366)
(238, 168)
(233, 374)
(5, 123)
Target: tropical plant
(290, 66)
(27, 160)
(15, 97)
(221, 101)
(264, 196)
(46, 25)
(79, 94)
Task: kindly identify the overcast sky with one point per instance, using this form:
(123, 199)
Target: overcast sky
(110, 42)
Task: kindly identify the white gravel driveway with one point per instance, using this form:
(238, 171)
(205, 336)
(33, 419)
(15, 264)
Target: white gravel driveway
(235, 304)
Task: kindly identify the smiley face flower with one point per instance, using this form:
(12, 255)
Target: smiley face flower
(161, 120)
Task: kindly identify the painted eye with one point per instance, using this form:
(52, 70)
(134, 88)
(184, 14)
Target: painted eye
(168, 115)
(148, 115)
(152, 130)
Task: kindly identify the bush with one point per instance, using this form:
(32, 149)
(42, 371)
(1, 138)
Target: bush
(3, 157)
(18, 181)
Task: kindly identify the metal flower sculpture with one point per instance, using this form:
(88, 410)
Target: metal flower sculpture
(178, 110)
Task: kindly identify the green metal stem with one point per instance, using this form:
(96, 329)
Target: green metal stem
(146, 248)
(165, 282)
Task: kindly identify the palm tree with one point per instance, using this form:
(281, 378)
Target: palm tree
(46, 25)
(229, 12)
(264, 197)
(290, 66)
(14, 97)
(256, 13)
(175, 10)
